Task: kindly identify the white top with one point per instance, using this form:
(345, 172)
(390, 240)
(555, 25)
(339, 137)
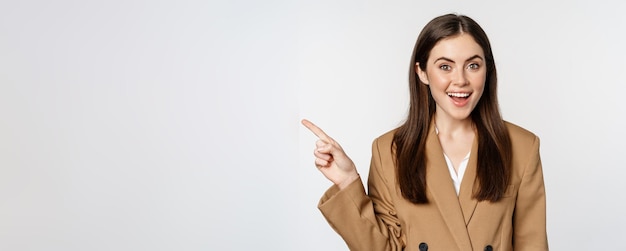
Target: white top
(457, 177)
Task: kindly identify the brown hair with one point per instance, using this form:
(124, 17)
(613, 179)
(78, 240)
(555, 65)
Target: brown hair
(494, 144)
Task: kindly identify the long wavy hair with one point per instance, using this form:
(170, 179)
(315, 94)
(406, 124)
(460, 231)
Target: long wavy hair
(494, 143)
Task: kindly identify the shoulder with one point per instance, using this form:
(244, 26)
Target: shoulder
(523, 142)
(383, 159)
(385, 139)
(383, 146)
(519, 134)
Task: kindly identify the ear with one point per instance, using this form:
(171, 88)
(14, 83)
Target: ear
(421, 74)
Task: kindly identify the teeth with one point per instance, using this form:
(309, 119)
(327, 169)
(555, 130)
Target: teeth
(458, 94)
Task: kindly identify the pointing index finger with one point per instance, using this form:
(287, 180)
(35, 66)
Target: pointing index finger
(316, 130)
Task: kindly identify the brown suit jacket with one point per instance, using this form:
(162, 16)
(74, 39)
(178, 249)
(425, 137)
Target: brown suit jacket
(384, 220)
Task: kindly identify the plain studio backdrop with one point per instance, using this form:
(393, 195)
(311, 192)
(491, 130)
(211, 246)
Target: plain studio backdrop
(175, 125)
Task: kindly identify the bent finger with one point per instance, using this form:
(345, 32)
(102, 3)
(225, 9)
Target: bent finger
(321, 163)
(321, 155)
(320, 143)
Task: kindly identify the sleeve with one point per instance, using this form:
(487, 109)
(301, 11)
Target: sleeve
(364, 222)
(529, 219)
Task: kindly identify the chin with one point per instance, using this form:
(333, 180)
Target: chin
(462, 116)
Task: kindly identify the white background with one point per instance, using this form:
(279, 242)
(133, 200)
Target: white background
(174, 125)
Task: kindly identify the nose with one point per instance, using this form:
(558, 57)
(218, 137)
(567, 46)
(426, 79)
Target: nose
(460, 78)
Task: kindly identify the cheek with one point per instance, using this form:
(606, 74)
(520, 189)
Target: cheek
(479, 95)
(479, 91)
(438, 80)
(478, 81)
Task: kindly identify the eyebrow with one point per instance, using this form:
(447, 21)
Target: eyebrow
(470, 58)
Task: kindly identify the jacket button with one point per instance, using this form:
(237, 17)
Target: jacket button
(423, 246)
(488, 248)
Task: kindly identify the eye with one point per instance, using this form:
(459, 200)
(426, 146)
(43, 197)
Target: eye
(445, 67)
(473, 66)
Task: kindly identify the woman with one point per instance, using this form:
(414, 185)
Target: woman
(454, 176)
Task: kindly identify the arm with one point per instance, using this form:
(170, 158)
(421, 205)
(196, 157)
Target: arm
(365, 222)
(529, 219)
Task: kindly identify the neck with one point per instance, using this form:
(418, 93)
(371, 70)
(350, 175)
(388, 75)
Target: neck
(450, 126)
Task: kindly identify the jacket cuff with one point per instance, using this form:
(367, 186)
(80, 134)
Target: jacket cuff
(336, 196)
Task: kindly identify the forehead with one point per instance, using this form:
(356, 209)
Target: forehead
(457, 48)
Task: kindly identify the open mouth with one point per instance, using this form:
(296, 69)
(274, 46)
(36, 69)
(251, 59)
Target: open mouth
(459, 94)
(459, 98)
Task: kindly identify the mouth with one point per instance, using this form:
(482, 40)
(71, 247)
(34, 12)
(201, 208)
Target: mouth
(459, 94)
(459, 98)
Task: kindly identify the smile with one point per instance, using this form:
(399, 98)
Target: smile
(459, 94)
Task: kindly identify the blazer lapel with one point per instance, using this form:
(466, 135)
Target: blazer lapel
(468, 204)
(441, 188)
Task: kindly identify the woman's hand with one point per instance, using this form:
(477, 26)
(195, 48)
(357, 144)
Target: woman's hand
(330, 158)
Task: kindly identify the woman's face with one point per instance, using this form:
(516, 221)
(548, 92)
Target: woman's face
(456, 73)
